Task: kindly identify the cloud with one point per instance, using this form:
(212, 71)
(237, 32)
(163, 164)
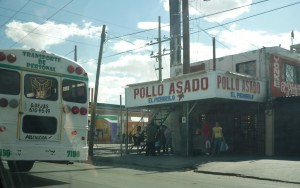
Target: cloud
(42, 36)
(237, 40)
(153, 25)
(128, 69)
(198, 8)
(136, 46)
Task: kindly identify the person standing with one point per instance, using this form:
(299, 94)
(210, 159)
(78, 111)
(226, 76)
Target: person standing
(206, 141)
(217, 137)
(168, 136)
(151, 136)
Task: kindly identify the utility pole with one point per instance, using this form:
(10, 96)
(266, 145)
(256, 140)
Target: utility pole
(94, 103)
(175, 33)
(75, 53)
(186, 36)
(159, 54)
(214, 54)
(159, 51)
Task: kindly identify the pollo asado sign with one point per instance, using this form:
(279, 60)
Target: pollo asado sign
(195, 87)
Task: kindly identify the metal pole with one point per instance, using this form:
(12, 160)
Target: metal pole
(126, 149)
(159, 51)
(187, 129)
(93, 118)
(75, 53)
(121, 123)
(214, 54)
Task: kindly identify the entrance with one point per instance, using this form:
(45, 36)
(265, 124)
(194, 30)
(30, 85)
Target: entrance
(249, 133)
(243, 126)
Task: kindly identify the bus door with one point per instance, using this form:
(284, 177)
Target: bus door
(40, 111)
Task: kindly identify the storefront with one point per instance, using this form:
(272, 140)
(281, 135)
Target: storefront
(234, 100)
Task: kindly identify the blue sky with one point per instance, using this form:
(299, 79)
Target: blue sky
(57, 26)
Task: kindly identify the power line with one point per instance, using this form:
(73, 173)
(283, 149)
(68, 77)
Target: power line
(237, 20)
(228, 10)
(222, 24)
(125, 51)
(16, 13)
(45, 20)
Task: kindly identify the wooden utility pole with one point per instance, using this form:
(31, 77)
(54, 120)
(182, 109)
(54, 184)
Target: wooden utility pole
(94, 103)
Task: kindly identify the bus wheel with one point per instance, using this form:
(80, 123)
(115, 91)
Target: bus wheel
(20, 166)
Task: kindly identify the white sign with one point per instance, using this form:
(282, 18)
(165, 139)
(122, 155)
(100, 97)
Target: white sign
(195, 87)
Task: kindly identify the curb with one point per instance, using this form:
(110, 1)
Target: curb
(244, 176)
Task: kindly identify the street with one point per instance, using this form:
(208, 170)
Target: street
(80, 175)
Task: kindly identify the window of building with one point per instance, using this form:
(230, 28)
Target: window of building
(9, 82)
(248, 68)
(290, 73)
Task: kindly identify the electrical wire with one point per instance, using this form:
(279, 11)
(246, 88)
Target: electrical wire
(237, 20)
(45, 21)
(18, 11)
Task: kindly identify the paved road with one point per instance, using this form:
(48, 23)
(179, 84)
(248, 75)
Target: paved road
(81, 175)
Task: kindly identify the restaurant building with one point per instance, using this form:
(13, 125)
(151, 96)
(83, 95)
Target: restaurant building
(252, 95)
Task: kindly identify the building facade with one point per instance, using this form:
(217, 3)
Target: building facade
(245, 94)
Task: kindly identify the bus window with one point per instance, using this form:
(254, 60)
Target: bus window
(39, 125)
(40, 87)
(9, 82)
(74, 91)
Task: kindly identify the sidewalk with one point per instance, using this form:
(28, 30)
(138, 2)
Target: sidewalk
(285, 169)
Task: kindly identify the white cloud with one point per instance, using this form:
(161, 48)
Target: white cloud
(136, 46)
(197, 8)
(241, 40)
(153, 25)
(211, 7)
(42, 36)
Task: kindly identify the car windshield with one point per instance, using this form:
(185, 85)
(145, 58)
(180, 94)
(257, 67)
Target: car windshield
(139, 93)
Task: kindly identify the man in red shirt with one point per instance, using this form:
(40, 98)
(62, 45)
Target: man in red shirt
(206, 141)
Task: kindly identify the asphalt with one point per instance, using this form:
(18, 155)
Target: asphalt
(281, 169)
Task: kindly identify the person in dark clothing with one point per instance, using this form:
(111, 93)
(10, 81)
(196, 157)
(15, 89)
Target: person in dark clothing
(151, 133)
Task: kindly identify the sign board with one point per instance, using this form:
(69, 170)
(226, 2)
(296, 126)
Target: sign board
(283, 77)
(195, 86)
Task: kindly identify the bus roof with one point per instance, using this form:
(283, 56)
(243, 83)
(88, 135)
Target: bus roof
(41, 62)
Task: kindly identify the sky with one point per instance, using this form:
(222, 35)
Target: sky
(58, 26)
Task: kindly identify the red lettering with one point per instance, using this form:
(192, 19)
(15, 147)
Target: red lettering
(172, 89)
(237, 84)
(196, 84)
(135, 92)
(160, 89)
(147, 92)
(224, 80)
(142, 92)
(153, 92)
(187, 87)
(219, 81)
(179, 87)
(204, 83)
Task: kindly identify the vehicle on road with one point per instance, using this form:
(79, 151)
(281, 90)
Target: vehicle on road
(43, 108)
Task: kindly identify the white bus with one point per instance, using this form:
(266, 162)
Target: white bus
(43, 109)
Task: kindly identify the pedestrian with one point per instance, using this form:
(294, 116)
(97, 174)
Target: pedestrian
(159, 139)
(217, 137)
(130, 138)
(150, 144)
(206, 141)
(137, 137)
(168, 137)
